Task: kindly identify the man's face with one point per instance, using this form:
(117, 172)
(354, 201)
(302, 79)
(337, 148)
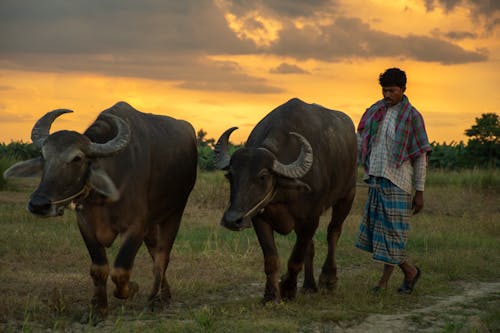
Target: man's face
(392, 95)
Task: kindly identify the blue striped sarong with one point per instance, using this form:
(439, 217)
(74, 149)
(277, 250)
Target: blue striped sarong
(386, 222)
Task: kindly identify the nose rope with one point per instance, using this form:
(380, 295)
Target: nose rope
(268, 196)
(82, 191)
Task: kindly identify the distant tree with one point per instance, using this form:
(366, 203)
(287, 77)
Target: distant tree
(450, 156)
(19, 150)
(202, 141)
(206, 150)
(483, 147)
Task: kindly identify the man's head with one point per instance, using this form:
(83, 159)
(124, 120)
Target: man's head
(393, 82)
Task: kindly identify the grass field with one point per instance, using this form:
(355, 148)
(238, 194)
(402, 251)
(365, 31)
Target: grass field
(217, 280)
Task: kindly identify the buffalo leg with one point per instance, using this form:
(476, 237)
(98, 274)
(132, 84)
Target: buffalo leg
(309, 285)
(150, 240)
(288, 285)
(167, 231)
(99, 270)
(340, 210)
(123, 266)
(265, 235)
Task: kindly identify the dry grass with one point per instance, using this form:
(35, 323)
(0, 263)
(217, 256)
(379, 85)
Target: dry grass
(216, 275)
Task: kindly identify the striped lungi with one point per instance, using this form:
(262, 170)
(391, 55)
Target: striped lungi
(386, 222)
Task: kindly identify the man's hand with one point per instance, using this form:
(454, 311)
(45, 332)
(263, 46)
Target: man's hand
(418, 202)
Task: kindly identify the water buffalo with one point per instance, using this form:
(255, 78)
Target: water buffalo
(298, 161)
(130, 173)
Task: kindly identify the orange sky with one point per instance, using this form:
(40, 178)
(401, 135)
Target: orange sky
(219, 64)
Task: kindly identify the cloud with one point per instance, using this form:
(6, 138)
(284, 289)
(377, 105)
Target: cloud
(487, 10)
(350, 37)
(161, 40)
(94, 26)
(285, 68)
(189, 71)
(280, 8)
(483, 7)
(456, 35)
(178, 40)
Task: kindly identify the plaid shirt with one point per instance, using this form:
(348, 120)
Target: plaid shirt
(381, 160)
(411, 136)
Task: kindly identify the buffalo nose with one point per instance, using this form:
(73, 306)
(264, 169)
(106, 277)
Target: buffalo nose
(232, 216)
(235, 221)
(39, 204)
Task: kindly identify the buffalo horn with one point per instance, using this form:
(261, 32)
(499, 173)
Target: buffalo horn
(114, 145)
(221, 151)
(41, 130)
(299, 167)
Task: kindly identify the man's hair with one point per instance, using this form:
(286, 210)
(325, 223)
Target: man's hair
(393, 77)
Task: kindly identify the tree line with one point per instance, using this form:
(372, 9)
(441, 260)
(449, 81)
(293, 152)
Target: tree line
(482, 149)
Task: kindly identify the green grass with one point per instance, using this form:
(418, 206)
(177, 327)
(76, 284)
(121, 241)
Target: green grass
(5, 163)
(216, 276)
(477, 178)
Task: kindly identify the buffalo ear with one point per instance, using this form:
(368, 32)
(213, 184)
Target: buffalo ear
(102, 183)
(25, 169)
(293, 184)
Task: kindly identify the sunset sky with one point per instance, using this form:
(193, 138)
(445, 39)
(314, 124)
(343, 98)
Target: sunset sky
(222, 63)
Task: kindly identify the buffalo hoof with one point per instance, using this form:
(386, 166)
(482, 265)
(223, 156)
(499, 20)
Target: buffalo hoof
(309, 288)
(157, 304)
(133, 289)
(270, 296)
(327, 282)
(288, 288)
(94, 316)
(270, 300)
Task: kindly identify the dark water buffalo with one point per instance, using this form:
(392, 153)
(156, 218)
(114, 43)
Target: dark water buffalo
(130, 173)
(297, 162)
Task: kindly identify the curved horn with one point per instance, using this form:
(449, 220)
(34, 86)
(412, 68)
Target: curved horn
(114, 145)
(41, 130)
(222, 157)
(301, 166)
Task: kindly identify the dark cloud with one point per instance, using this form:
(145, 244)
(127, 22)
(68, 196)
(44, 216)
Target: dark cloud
(166, 40)
(283, 8)
(177, 40)
(285, 68)
(483, 7)
(351, 37)
(459, 35)
(488, 10)
(96, 26)
(454, 35)
(430, 49)
(191, 71)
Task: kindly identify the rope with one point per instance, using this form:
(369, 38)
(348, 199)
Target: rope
(83, 190)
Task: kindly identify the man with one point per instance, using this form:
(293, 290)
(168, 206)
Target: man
(393, 145)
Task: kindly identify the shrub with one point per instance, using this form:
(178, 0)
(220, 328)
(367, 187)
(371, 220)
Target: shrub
(19, 150)
(5, 163)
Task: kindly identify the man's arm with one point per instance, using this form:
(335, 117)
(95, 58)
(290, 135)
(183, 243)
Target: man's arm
(419, 173)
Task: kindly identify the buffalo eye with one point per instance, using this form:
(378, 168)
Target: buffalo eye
(76, 159)
(263, 175)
